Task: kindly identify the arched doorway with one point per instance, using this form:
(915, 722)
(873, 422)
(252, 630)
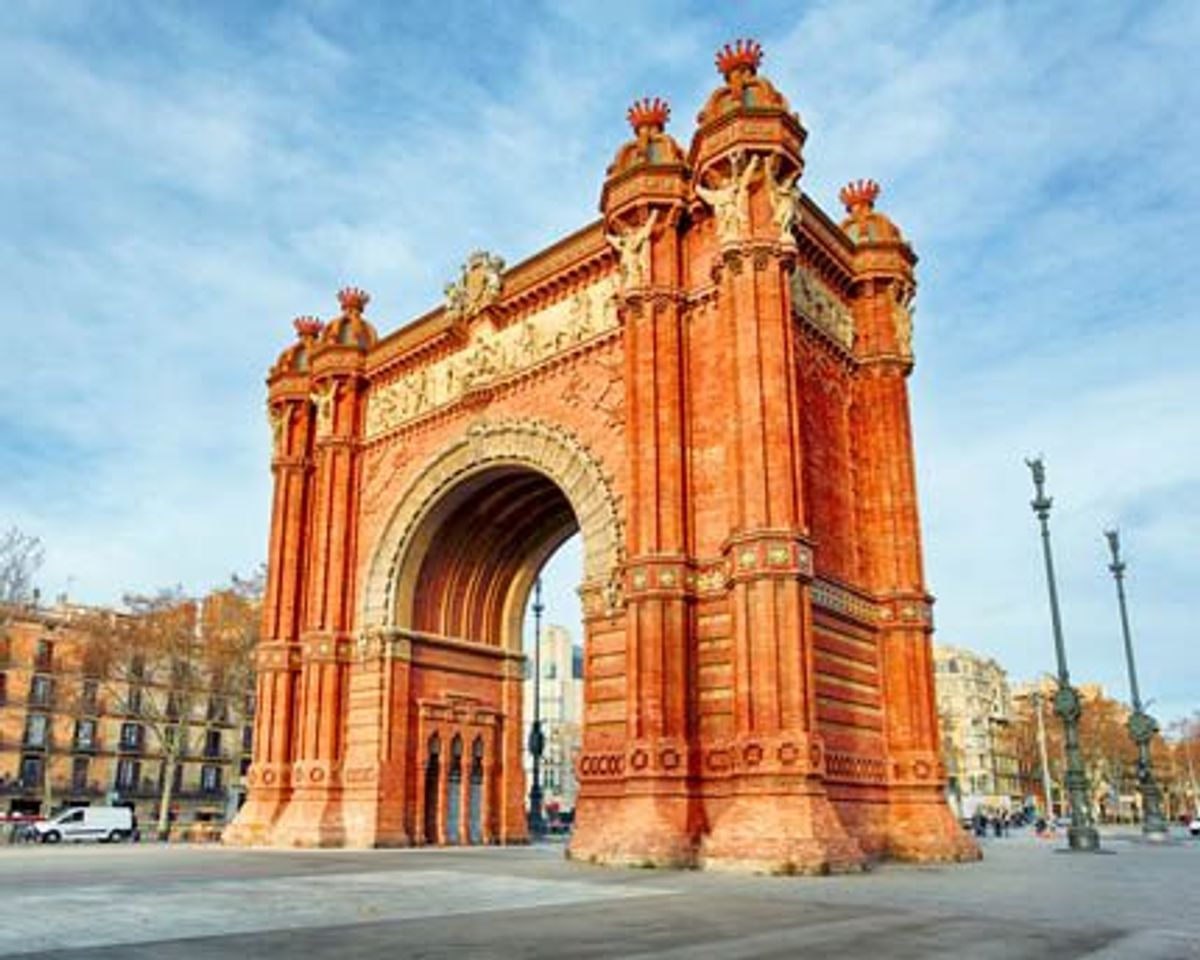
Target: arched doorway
(448, 588)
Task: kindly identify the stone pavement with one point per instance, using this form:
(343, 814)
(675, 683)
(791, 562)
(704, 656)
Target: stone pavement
(1023, 900)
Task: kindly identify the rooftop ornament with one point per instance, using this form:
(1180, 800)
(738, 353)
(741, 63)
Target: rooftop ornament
(859, 195)
(353, 300)
(307, 327)
(649, 114)
(741, 55)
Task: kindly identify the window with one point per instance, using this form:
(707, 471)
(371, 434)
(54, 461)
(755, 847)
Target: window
(85, 735)
(135, 701)
(551, 671)
(128, 772)
(40, 690)
(36, 729)
(247, 737)
(79, 772)
(216, 709)
(212, 743)
(3, 688)
(210, 778)
(88, 697)
(137, 666)
(44, 658)
(953, 666)
(76, 817)
(248, 707)
(31, 771)
(131, 736)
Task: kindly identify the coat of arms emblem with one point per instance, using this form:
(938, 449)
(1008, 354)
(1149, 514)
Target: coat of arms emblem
(479, 285)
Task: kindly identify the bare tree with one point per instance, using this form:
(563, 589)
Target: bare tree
(150, 663)
(171, 663)
(21, 557)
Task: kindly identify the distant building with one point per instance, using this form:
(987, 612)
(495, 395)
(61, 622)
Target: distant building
(65, 742)
(974, 717)
(561, 696)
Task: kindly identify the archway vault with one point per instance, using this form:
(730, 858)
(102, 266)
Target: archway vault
(486, 453)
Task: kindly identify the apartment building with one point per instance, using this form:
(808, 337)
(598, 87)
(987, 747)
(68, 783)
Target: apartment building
(71, 737)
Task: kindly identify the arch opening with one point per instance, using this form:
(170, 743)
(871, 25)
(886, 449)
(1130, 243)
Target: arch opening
(474, 558)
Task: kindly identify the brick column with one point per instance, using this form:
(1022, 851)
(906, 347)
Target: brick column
(778, 816)
(277, 657)
(314, 816)
(920, 825)
(634, 801)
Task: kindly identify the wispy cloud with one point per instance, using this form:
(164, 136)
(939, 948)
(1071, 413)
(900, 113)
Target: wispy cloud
(187, 178)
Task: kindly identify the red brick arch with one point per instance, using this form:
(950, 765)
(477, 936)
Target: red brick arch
(710, 383)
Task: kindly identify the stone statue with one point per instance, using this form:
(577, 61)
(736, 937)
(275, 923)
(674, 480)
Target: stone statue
(785, 203)
(902, 314)
(633, 247)
(278, 418)
(323, 400)
(730, 203)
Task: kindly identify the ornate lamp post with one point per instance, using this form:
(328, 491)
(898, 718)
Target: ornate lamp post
(1081, 835)
(537, 740)
(1142, 726)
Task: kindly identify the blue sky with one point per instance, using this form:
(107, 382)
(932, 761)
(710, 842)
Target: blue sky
(179, 180)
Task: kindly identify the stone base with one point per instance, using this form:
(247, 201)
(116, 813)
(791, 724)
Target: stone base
(925, 830)
(311, 821)
(791, 831)
(640, 831)
(254, 824)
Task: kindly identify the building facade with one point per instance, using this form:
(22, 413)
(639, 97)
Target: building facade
(560, 695)
(709, 383)
(70, 738)
(975, 718)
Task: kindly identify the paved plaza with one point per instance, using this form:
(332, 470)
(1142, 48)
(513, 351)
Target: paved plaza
(1023, 900)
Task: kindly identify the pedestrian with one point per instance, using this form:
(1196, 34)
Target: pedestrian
(1005, 822)
(997, 826)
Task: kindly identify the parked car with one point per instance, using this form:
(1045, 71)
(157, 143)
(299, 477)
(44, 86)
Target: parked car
(1194, 827)
(105, 824)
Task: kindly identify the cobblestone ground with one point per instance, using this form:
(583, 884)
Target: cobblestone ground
(1024, 900)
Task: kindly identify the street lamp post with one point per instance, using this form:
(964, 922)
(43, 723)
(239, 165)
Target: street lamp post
(1082, 834)
(1142, 726)
(537, 740)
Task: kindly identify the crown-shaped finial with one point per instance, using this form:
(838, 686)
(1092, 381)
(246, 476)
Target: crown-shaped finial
(307, 326)
(858, 194)
(353, 300)
(744, 54)
(649, 113)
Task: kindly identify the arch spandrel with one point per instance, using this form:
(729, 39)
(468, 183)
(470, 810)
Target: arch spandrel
(550, 450)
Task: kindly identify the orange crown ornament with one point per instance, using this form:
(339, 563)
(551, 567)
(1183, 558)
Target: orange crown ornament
(741, 54)
(307, 326)
(858, 194)
(649, 113)
(353, 300)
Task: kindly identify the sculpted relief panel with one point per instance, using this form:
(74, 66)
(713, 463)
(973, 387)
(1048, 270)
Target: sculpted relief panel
(817, 304)
(492, 355)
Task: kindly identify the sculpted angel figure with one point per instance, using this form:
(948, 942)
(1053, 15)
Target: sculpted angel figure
(730, 203)
(278, 419)
(633, 247)
(323, 399)
(785, 204)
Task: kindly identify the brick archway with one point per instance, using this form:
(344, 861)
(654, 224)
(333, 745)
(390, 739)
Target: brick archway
(485, 451)
(710, 382)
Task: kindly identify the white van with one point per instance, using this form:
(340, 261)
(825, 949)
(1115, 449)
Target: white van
(106, 824)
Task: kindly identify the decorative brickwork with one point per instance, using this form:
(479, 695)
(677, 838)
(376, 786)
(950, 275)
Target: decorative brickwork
(710, 385)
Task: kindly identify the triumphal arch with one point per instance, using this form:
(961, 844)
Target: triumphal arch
(709, 384)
